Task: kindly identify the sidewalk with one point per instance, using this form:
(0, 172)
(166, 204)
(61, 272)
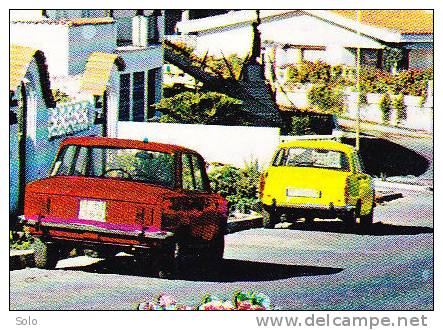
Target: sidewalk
(371, 127)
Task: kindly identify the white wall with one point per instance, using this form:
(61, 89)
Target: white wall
(52, 39)
(417, 116)
(234, 145)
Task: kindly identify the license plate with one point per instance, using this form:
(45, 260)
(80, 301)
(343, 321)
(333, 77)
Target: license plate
(300, 192)
(92, 210)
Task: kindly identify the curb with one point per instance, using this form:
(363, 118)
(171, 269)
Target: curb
(402, 186)
(245, 223)
(387, 196)
(20, 259)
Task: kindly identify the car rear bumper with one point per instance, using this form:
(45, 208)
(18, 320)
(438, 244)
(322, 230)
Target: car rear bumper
(314, 210)
(84, 232)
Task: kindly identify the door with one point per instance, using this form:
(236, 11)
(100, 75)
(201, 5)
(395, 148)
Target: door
(203, 224)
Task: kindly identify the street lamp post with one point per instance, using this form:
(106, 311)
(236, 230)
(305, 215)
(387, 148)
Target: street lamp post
(357, 131)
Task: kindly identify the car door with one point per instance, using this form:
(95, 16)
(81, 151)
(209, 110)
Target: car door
(195, 186)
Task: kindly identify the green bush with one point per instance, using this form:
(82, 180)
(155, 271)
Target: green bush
(199, 108)
(310, 72)
(398, 103)
(300, 125)
(19, 241)
(385, 107)
(238, 186)
(326, 98)
(372, 80)
(60, 97)
(362, 99)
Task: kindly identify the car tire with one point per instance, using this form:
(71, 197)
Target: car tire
(211, 258)
(169, 264)
(350, 219)
(46, 254)
(367, 220)
(270, 218)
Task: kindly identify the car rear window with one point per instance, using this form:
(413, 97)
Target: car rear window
(119, 163)
(309, 157)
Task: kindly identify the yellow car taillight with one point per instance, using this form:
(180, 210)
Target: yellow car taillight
(347, 196)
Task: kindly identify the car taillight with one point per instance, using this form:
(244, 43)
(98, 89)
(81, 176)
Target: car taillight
(36, 204)
(347, 197)
(261, 187)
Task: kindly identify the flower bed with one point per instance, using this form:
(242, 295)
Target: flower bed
(241, 301)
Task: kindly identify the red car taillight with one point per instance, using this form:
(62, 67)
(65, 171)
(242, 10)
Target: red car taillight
(261, 187)
(36, 204)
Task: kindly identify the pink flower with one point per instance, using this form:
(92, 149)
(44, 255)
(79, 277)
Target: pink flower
(166, 300)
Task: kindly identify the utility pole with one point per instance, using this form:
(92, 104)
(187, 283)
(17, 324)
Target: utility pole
(357, 131)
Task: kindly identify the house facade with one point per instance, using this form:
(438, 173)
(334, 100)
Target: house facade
(71, 74)
(73, 40)
(332, 36)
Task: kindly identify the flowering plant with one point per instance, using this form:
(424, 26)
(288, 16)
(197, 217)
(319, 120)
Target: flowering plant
(241, 300)
(163, 303)
(251, 301)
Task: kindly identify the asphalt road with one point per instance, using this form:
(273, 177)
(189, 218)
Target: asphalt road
(323, 267)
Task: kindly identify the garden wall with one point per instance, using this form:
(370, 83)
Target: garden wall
(418, 116)
(235, 145)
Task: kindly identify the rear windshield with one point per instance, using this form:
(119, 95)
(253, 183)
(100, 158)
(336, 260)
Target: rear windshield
(307, 157)
(119, 163)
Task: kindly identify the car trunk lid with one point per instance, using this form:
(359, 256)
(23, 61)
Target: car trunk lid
(306, 185)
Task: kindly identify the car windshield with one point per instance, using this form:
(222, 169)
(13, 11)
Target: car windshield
(307, 157)
(119, 163)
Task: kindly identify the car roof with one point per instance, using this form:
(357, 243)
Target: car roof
(318, 144)
(125, 143)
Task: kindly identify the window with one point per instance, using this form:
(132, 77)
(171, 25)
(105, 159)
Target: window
(138, 96)
(124, 104)
(278, 158)
(64, 161)
(193, 173)
(153, 77)
(81, 161)
(358, 163)
(118, 163)
(320, 158)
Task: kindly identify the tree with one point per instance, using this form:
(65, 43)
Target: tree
(199, 108)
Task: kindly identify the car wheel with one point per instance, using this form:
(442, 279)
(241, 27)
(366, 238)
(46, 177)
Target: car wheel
(367, 220)
(46, 254)
(270, 219)
(212, 257)
(169, 264)
(351, 218)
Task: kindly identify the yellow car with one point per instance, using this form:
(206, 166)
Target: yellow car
(316, 179)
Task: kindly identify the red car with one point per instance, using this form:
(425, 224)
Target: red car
(148, 199)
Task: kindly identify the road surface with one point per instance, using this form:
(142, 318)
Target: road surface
(323, 267)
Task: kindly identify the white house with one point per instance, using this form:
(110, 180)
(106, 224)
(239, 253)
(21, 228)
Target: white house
(37, 123)
(105, 78)
(333, 36)
(79, 44)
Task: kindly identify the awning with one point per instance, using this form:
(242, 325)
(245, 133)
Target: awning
(98, 71)
(19, 59)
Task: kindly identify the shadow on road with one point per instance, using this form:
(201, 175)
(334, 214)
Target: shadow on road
(230, 270)
(376, 229)
(383, 156)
